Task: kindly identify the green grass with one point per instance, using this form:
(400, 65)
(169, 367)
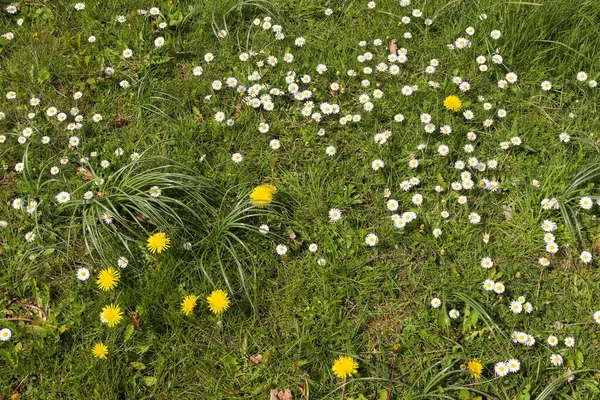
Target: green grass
(372, 303)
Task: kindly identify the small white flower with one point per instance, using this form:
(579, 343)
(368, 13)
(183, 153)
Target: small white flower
(281, 249)
(83, 274)
(371, 239)
(5, 334)
(29, 236)
(63, 197)
(237, 158)
(556, 360)
(586, 257)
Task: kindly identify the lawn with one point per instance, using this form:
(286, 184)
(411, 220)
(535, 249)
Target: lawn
(300, 199)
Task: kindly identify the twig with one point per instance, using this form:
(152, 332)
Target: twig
(537, 294)
(389, 396)
(19, 319)
(42, 313)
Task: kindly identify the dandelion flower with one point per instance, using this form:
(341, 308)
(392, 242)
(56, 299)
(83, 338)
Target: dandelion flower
(263, 194)
(100, 350)
(475, 367)
(188, 304)
(218, 301)
(453, 103)
(108, 279)
(158, 243)
(111, 315)
(344, 366)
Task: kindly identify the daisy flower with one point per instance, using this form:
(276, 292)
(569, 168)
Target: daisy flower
(281, 249)
(371, 239)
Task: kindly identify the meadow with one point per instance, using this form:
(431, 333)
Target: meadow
(300, 199)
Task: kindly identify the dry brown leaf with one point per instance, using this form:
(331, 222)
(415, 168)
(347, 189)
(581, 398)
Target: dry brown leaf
(277, 394)
(135, 319)
(119, 121)
(394, 47)
(238, 110)
(87, 175)
(256, 358)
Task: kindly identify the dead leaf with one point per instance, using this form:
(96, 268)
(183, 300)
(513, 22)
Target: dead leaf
(135, 319)
(393, 47)
(256, 358)
(87, 175)
(238, 110)
(277, 394)
(119, 122)
(508, 213)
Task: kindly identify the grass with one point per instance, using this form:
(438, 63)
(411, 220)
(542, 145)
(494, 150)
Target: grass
(372, 303)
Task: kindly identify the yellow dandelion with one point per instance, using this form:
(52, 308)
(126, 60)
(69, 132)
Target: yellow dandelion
(111, 315)
(100, 350)
(263, 194)
(188, 304)
(452, 103)
(108, 279)
(475, 368)
(158, 243)
(344, 366)
(218, 301)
